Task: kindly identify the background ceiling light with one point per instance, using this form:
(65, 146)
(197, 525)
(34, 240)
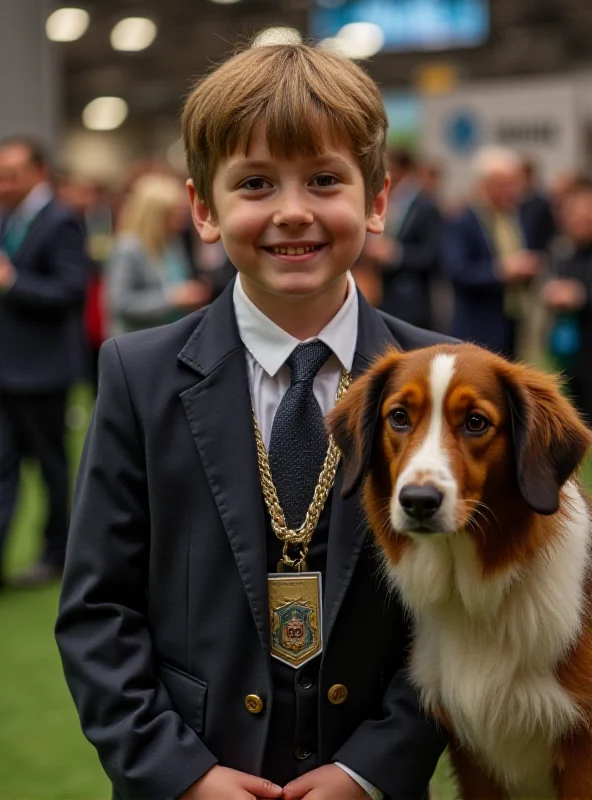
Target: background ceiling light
(67, 24)
(225, 2)
(334, 44)
(104, 114)
(360, 39)
(133, 33)
(278, 35)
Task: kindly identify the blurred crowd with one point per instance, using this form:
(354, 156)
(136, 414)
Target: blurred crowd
(508, 266)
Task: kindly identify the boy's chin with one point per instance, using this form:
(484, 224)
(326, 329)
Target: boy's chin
(303, 284)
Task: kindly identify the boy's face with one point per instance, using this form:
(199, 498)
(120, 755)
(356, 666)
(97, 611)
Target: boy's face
(291, 227)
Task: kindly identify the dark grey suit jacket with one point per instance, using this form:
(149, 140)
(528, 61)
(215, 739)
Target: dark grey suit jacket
(41, 336)
(163, 625)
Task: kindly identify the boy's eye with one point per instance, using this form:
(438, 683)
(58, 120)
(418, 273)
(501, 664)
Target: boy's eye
(325, 180)
(254, 184)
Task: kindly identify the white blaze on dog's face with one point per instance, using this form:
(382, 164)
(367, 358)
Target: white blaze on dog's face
(426, 491)
(445, 431)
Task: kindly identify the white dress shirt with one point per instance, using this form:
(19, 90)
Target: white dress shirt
(267, 348)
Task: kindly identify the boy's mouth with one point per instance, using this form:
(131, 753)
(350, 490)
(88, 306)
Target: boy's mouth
(294, 251)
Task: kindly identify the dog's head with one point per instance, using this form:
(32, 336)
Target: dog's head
(438, 434)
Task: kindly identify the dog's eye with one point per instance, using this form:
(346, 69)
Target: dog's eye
(476, 423)
(399, 419)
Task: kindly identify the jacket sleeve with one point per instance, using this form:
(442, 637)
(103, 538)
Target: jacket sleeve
(63, 286)
(131, 299)
(102, 630)
(465, 264)
(397, 754)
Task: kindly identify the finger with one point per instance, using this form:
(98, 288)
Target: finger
(261, 787)
(299, 788)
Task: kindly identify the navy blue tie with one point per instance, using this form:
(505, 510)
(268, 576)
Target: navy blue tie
(299, 440)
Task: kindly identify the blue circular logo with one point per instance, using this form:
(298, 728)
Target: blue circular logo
(463, 132)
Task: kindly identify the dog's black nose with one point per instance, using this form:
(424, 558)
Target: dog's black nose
(420, 502)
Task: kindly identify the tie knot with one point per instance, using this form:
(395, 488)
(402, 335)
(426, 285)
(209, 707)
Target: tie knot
(307, 359)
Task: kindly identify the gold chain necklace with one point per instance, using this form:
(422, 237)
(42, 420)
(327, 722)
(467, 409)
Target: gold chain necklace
(301, 536)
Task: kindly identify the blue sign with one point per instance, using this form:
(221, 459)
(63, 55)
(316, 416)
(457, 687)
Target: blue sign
(463, 132)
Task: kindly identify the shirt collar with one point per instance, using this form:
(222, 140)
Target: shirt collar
(38, 198)
(271, 346)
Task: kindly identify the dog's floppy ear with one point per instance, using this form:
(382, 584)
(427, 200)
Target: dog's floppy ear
(352, 422)
(550, 440)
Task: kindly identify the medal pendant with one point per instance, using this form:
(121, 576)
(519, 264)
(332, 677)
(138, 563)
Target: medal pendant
(295, 609)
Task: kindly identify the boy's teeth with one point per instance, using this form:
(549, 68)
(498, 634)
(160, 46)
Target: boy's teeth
(292, 251)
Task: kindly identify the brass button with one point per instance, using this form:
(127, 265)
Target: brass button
(337, 694)
(253, 704)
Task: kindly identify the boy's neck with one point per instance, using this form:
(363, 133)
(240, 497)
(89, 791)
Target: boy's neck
(301, 317)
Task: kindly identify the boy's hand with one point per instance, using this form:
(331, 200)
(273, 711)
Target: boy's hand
(221, 783)
(325, 783)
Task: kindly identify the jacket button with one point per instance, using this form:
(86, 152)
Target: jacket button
(337, 694)
(253, 704)
(302, 753)
(305, 682)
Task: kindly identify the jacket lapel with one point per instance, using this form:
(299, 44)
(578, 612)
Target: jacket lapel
(218, 410)
(347, 527)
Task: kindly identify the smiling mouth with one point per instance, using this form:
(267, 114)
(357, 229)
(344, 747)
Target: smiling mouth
(294, 250)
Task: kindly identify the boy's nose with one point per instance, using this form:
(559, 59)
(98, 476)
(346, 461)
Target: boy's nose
(292, 211)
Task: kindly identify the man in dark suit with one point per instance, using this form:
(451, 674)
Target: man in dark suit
(408, 254)
(488, 259)
(43, 276)
(535, 211)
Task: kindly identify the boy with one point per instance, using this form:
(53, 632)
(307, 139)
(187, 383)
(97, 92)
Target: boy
(214, 652)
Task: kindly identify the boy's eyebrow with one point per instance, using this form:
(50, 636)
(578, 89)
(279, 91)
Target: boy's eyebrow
(327, 159)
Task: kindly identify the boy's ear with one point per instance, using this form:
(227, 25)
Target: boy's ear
(377, 215)
(203, 219)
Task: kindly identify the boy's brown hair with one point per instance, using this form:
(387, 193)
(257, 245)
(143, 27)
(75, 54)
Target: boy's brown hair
(304, 96)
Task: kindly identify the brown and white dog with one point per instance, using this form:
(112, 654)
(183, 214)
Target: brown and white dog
(467, 463)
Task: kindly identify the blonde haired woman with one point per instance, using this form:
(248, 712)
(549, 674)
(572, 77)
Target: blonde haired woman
(149, 276)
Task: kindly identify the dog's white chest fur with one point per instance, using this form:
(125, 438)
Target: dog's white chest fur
(486, 651)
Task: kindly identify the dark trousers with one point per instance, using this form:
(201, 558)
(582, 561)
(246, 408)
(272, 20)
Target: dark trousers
(34, 425)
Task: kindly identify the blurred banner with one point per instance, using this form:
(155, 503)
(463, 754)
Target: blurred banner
(539, 118)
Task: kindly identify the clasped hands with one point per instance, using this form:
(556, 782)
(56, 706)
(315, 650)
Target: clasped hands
(325, 783)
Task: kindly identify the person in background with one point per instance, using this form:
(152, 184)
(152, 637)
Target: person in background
(43, 276)
(487, 258)
(408, 253)
(569, 296)
(430, 175)
(149, 276)
(536, 211)
(561, 189)
(90, 201)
